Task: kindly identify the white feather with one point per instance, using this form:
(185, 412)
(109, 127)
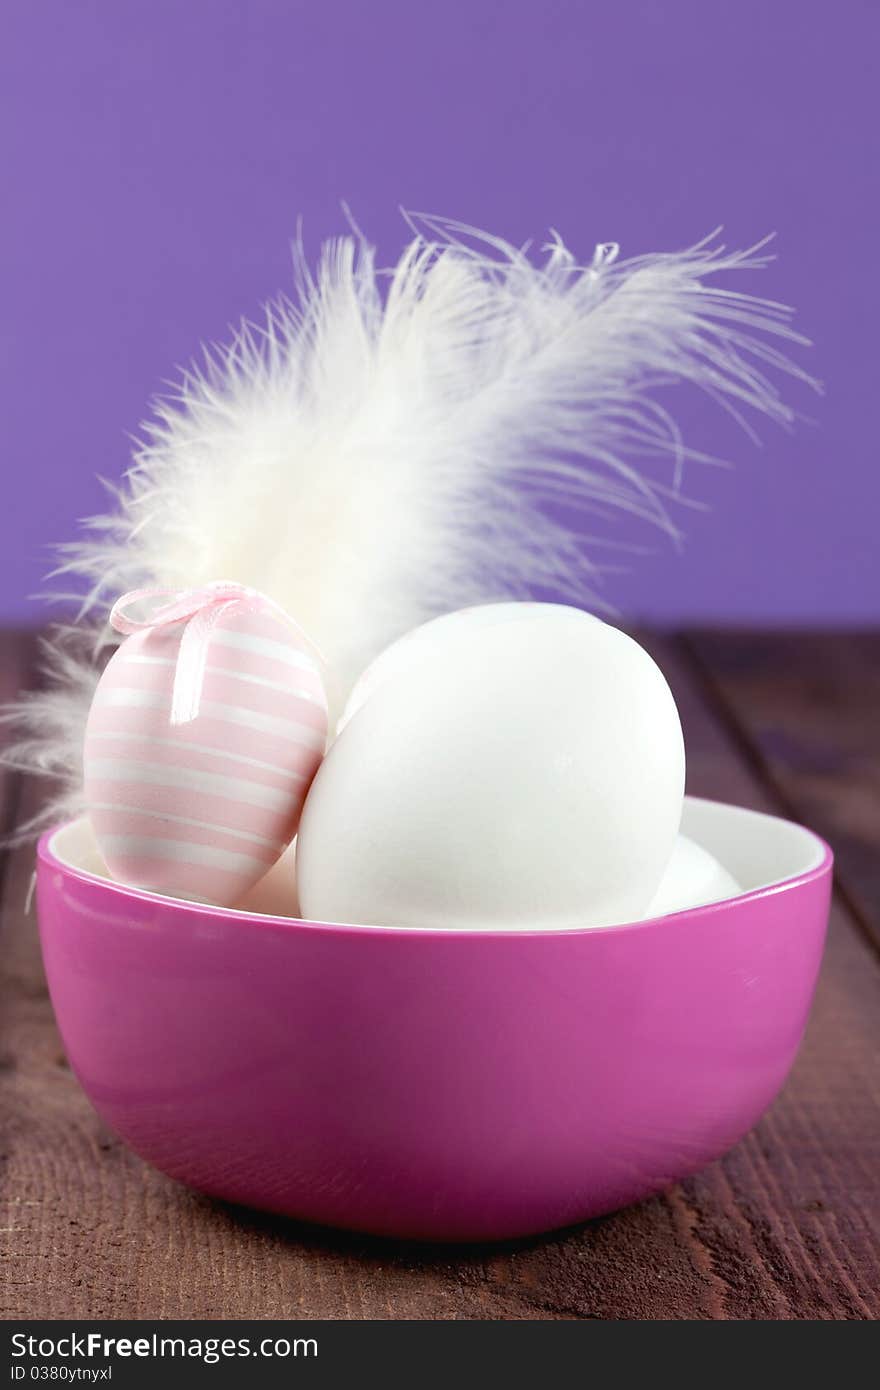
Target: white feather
(384, 449)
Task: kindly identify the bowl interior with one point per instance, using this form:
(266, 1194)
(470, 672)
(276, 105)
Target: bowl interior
(757, 849)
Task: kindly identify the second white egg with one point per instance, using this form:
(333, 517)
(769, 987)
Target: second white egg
(693, 877)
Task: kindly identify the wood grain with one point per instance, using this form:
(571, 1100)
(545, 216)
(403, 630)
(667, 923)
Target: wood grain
(786, 1226)
(808, 707)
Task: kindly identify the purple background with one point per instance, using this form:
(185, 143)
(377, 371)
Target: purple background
(156, 157)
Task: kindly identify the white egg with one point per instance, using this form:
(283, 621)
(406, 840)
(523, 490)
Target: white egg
(693, 878)
(463, 624)
(526, 775)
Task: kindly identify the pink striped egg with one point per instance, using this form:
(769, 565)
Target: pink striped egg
(203, 809)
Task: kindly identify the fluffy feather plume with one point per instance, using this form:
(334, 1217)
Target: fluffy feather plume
(382, 449)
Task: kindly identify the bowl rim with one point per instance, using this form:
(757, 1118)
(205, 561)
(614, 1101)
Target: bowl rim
(824, 862)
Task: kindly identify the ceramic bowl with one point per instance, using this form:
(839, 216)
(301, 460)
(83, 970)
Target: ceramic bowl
(444, 1085)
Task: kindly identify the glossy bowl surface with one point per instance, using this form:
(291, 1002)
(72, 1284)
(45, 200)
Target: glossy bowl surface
(446, 1085)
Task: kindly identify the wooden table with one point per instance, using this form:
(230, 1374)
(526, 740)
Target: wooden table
(786, 1226)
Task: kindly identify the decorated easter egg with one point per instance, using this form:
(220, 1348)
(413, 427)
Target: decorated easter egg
(201, 806)
(529, 774)
(465, 624)
(693, 877)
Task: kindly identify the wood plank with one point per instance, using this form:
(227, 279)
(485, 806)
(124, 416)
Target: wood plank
(809, 705)
(801, 1193)
(785, 1226)
(17, 661)
(17, 655)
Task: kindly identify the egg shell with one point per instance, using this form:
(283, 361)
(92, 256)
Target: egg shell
(465, 624)
(528, 775)
(693, 877)
(275, 894)
(203, 809)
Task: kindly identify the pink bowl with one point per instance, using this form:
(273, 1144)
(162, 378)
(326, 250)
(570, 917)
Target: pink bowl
(447, 1085)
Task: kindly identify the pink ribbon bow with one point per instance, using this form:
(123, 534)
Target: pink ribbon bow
(201, 608)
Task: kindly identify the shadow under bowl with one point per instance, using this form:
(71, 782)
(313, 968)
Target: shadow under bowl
(441, 1085)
